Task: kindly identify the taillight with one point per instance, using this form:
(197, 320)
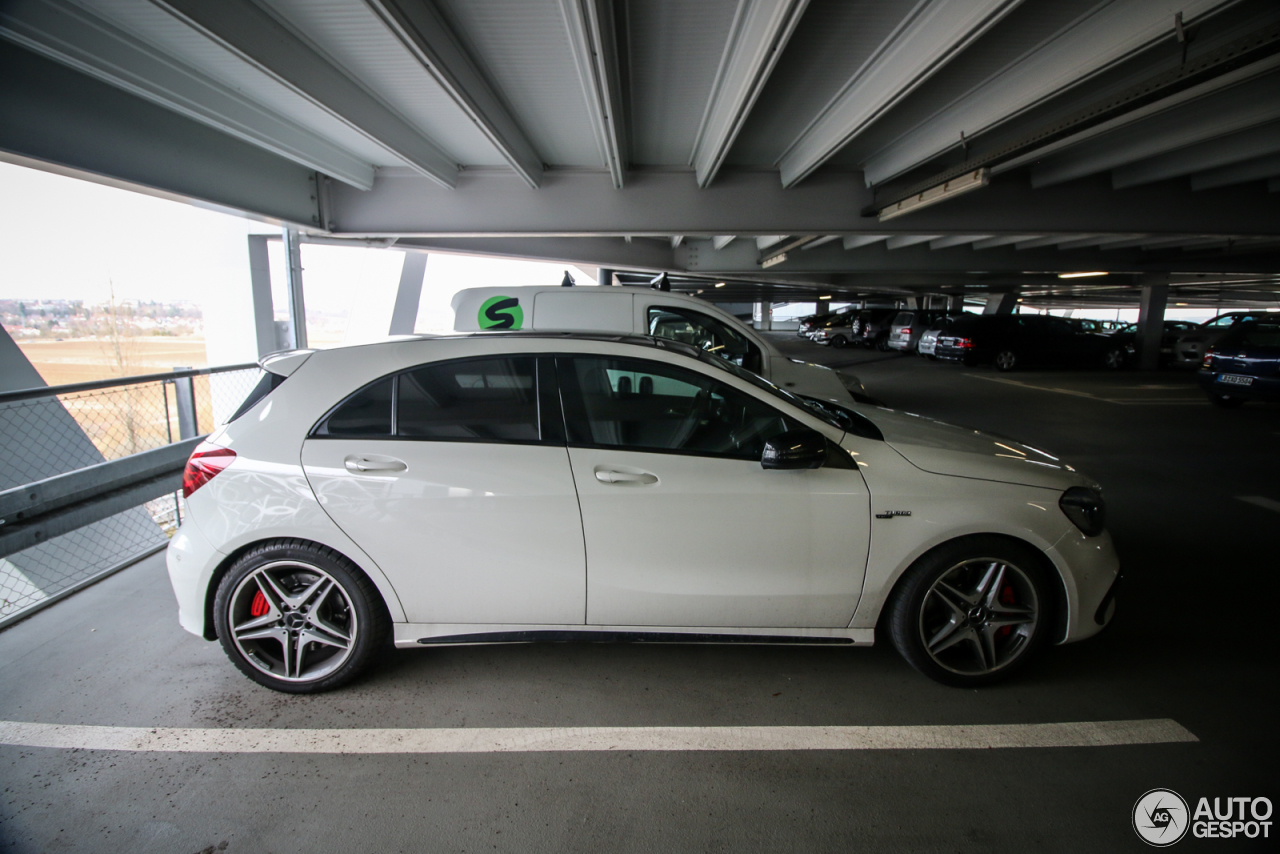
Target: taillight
(906, 330)
(964, 343)
(1208, 360)
(205, 462)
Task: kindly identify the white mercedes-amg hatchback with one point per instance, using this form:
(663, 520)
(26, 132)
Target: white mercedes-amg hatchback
(530, 487)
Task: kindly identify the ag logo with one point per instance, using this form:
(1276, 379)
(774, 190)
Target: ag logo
(1160, 817)
(501, 313)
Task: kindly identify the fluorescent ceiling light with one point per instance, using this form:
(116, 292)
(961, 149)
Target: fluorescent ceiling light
(719, 284)
(824, 297)
(966, 182)
(1080, 275)
(776, 259)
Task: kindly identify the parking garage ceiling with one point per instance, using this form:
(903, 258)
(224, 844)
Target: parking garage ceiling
(789, 146)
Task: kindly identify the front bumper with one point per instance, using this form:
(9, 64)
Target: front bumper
(1090, 569)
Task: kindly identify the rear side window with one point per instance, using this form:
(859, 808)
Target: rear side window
(903, 319)
(1257, 334)
(477, 400)
(365, 413)
(266, 384)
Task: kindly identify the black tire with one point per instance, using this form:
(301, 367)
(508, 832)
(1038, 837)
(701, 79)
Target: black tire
(1114, 359)
(915, 610)
(882, 343)
(1006, 360)
(1226, 401)
(350, 610)
(839, 342)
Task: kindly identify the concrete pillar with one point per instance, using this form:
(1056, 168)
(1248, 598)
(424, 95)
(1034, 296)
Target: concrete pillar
(1155, 296)
(604, 277)
(265, 330)
(297, 305)
(1001, 303)
(409, 294)
(955, 303)
(763, 315)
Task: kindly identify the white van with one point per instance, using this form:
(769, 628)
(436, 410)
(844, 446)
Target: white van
(647, 311)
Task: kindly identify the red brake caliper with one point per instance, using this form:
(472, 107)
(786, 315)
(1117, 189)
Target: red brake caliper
(260, 606)
(1006, 598)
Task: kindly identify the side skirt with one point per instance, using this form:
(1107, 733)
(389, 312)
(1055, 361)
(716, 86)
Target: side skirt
(411, 635)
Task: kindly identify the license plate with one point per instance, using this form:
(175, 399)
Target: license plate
(1235, 379)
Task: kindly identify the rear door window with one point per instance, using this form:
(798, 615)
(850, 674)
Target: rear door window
(473, 400)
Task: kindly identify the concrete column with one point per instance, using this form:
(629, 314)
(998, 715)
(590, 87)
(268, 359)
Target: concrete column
(264, 313)
(297, 305)
(1155, 296)
(604, 277)
(409, 294)
(1001, 303)
(763, 315)
(955, 303)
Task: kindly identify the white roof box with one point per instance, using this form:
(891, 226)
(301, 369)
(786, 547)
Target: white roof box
(586, 309)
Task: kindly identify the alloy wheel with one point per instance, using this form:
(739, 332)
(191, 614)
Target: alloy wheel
(293, 621)
(979, 616)
(1006, 360)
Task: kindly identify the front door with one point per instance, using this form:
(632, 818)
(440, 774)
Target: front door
(683, 525)
(458, 492)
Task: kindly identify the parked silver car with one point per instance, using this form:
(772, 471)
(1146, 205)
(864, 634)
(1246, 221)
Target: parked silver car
(909, 326)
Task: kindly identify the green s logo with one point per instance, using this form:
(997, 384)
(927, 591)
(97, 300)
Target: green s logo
(501, 313)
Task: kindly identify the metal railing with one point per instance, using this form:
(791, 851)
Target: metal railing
(89, 473)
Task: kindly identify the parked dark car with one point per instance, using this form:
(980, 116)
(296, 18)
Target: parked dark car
(875, 326)
(1190, 347)
(1124, 352)
(1243, 365)
(1011, 341)
(811, 322)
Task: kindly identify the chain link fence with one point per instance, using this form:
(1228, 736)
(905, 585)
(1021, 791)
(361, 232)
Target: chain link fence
(71, 427)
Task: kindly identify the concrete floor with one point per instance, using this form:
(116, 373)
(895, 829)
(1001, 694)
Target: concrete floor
(1193, 642)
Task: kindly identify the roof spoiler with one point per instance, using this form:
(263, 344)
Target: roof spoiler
(284, 362)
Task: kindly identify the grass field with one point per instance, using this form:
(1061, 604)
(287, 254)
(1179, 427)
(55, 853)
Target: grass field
(77, 360)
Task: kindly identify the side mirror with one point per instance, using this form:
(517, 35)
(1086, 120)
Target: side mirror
(795, 449)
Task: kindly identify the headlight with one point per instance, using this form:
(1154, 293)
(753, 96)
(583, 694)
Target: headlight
(1085, 508)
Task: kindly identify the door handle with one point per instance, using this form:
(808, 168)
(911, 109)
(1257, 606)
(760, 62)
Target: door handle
(615, 476)
(369, 464)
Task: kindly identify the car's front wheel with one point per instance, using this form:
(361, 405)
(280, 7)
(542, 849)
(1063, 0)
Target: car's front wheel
(298, 617)
(839, 341)
(973, 611)
(1113, 359)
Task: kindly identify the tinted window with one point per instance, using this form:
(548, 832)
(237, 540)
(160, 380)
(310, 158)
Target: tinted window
(647, 406)
(1257, 334)
(365, 413)
(474, 400)
(704, 332)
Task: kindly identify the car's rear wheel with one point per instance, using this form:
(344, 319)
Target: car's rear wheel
(1226, 401)
(882, 344)
(1113, 359)
(972, 612)
(1006, 360)
(839, 341)
(298, 617)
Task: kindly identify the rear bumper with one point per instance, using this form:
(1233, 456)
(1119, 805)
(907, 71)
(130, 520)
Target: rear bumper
(1262, 388)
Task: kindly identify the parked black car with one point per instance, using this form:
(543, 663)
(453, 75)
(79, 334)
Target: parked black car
(1243, 365)
(1011, 341)
(874, 329)
(810, 322)
(1124, 352)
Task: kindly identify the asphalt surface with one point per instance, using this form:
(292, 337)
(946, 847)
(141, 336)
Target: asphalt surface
(1194, 641)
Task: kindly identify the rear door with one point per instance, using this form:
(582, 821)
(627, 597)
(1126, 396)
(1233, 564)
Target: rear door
(448, 476)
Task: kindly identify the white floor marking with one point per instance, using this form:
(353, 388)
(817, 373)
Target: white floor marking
(1136, 401)
(538, 739)
(1260, 501)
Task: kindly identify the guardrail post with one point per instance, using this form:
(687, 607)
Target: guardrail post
(185, 395)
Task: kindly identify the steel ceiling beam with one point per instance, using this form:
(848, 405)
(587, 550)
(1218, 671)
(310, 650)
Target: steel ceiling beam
(1210, 154)
(424, 33)
(759, 32)
(76, 38)
(957, 240)
(60, 120)
(1247, 104)
(931, 35)
(593, 39)
(259, 39)
(856, 240)
(748, 203)
(1257, 169)
(1110, 33)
